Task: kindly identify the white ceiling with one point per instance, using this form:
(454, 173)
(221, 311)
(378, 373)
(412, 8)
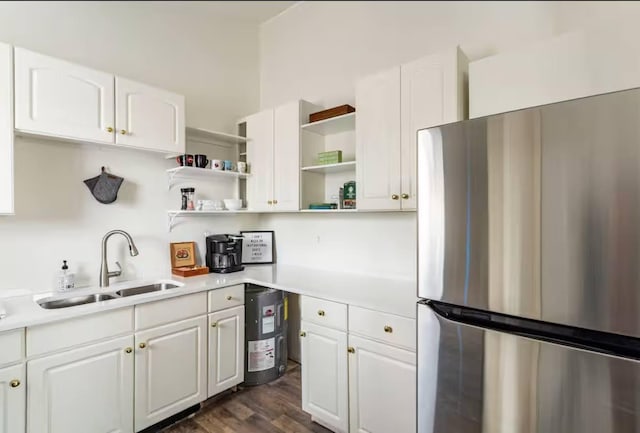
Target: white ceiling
(250, 12)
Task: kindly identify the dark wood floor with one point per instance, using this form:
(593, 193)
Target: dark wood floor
(271, 408)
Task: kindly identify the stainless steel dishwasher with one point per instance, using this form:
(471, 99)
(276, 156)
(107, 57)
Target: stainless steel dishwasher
(265, 334)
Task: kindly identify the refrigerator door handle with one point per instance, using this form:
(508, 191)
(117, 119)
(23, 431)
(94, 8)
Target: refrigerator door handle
(581, 338)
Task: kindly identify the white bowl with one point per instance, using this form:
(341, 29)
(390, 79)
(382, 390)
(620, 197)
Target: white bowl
(233, 203)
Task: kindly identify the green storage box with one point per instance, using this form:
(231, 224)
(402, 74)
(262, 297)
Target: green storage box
(330, 157)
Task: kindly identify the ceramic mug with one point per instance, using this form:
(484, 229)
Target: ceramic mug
(242, 167)
(201, 161)
(228, 164)
(216, 164)
(185, 160)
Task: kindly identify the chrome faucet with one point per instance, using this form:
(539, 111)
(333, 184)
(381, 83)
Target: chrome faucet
(104, 269)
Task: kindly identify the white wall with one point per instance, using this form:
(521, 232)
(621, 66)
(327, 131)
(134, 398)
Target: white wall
(212, 60)
(316, 51)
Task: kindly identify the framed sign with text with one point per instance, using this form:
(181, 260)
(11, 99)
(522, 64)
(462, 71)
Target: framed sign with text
(257, 247)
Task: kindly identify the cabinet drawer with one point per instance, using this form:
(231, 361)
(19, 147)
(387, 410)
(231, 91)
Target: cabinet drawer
(322, 312)
(11, 346)
(226, 297)
(170, 310)
(55, 336)
(388, 328)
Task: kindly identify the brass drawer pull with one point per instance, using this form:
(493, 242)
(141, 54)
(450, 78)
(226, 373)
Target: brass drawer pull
(142, 345)
(388, 329)
(405, 196)
(320, 312)
(351, 350)
(303, 334)
(214, 324)
(229, 297)
(128, 350)
(14, 383)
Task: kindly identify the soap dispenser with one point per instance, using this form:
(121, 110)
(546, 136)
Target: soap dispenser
(66, 279)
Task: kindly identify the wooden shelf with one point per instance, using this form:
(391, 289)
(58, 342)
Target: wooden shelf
(331, 168)
(334, 125)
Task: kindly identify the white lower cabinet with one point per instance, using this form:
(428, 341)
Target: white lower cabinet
(324, 375)
(13, 408)
(226, 349)
(382, 388)
(170, 370)
(89, 389)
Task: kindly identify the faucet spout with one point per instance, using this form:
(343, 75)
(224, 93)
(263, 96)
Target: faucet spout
(104, 269)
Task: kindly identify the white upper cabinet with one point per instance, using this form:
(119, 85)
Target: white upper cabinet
(378, 141)
(61, 99)
(149, 118)
(286, 164)
(392, 106)
(6, 130)
(260, 160)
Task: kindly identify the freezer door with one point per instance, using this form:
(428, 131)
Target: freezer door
(535, 213)
(474, 380)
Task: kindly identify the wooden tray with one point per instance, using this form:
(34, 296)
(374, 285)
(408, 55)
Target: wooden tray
(331, 112)
(190, 271)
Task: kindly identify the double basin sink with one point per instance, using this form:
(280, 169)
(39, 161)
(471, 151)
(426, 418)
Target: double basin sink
(51, 304)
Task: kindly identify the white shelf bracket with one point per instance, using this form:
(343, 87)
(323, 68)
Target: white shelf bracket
(170, 177)
(172, 218)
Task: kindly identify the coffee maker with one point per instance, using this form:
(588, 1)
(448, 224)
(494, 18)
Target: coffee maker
(224, 253)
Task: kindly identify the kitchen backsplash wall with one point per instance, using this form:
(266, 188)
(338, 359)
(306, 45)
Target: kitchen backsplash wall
(211, 60)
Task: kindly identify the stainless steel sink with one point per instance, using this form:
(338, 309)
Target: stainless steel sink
(76, 300)
(145, 289)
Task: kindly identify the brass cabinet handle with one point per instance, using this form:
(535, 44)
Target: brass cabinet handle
(109, 129)
(128, 350)
(14, 383)
(351, 350)
(229, 297)
(214, 324)
(123, 132)
(275, 202)
(395, 197)
(303, 334)
(405, 196)
(388, 329)
(320, 312)
(270, 202)
(142, 345)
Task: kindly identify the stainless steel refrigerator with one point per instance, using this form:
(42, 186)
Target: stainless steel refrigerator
(529, 270)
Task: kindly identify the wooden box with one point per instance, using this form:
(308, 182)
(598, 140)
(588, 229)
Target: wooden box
(331, 112)
(183, 260)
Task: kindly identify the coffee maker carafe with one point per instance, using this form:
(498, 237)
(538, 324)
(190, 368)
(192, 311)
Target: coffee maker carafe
(224, 253)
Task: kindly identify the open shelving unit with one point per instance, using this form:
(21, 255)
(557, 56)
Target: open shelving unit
(320, 183)
(334, 125)
(174, 214)
(174, 175)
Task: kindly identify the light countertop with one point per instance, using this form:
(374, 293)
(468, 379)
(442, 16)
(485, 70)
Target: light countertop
(387, 294)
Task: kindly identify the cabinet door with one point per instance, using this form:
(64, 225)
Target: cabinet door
(170, 370)
(382, 388)
(324, 375)
(378, 141)
(260, 160)
(226, 349)
(58, 98)
(431, 95)
(286, 163)
(13, 405)
(149, 118)
(83, 390)
(6, 130)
